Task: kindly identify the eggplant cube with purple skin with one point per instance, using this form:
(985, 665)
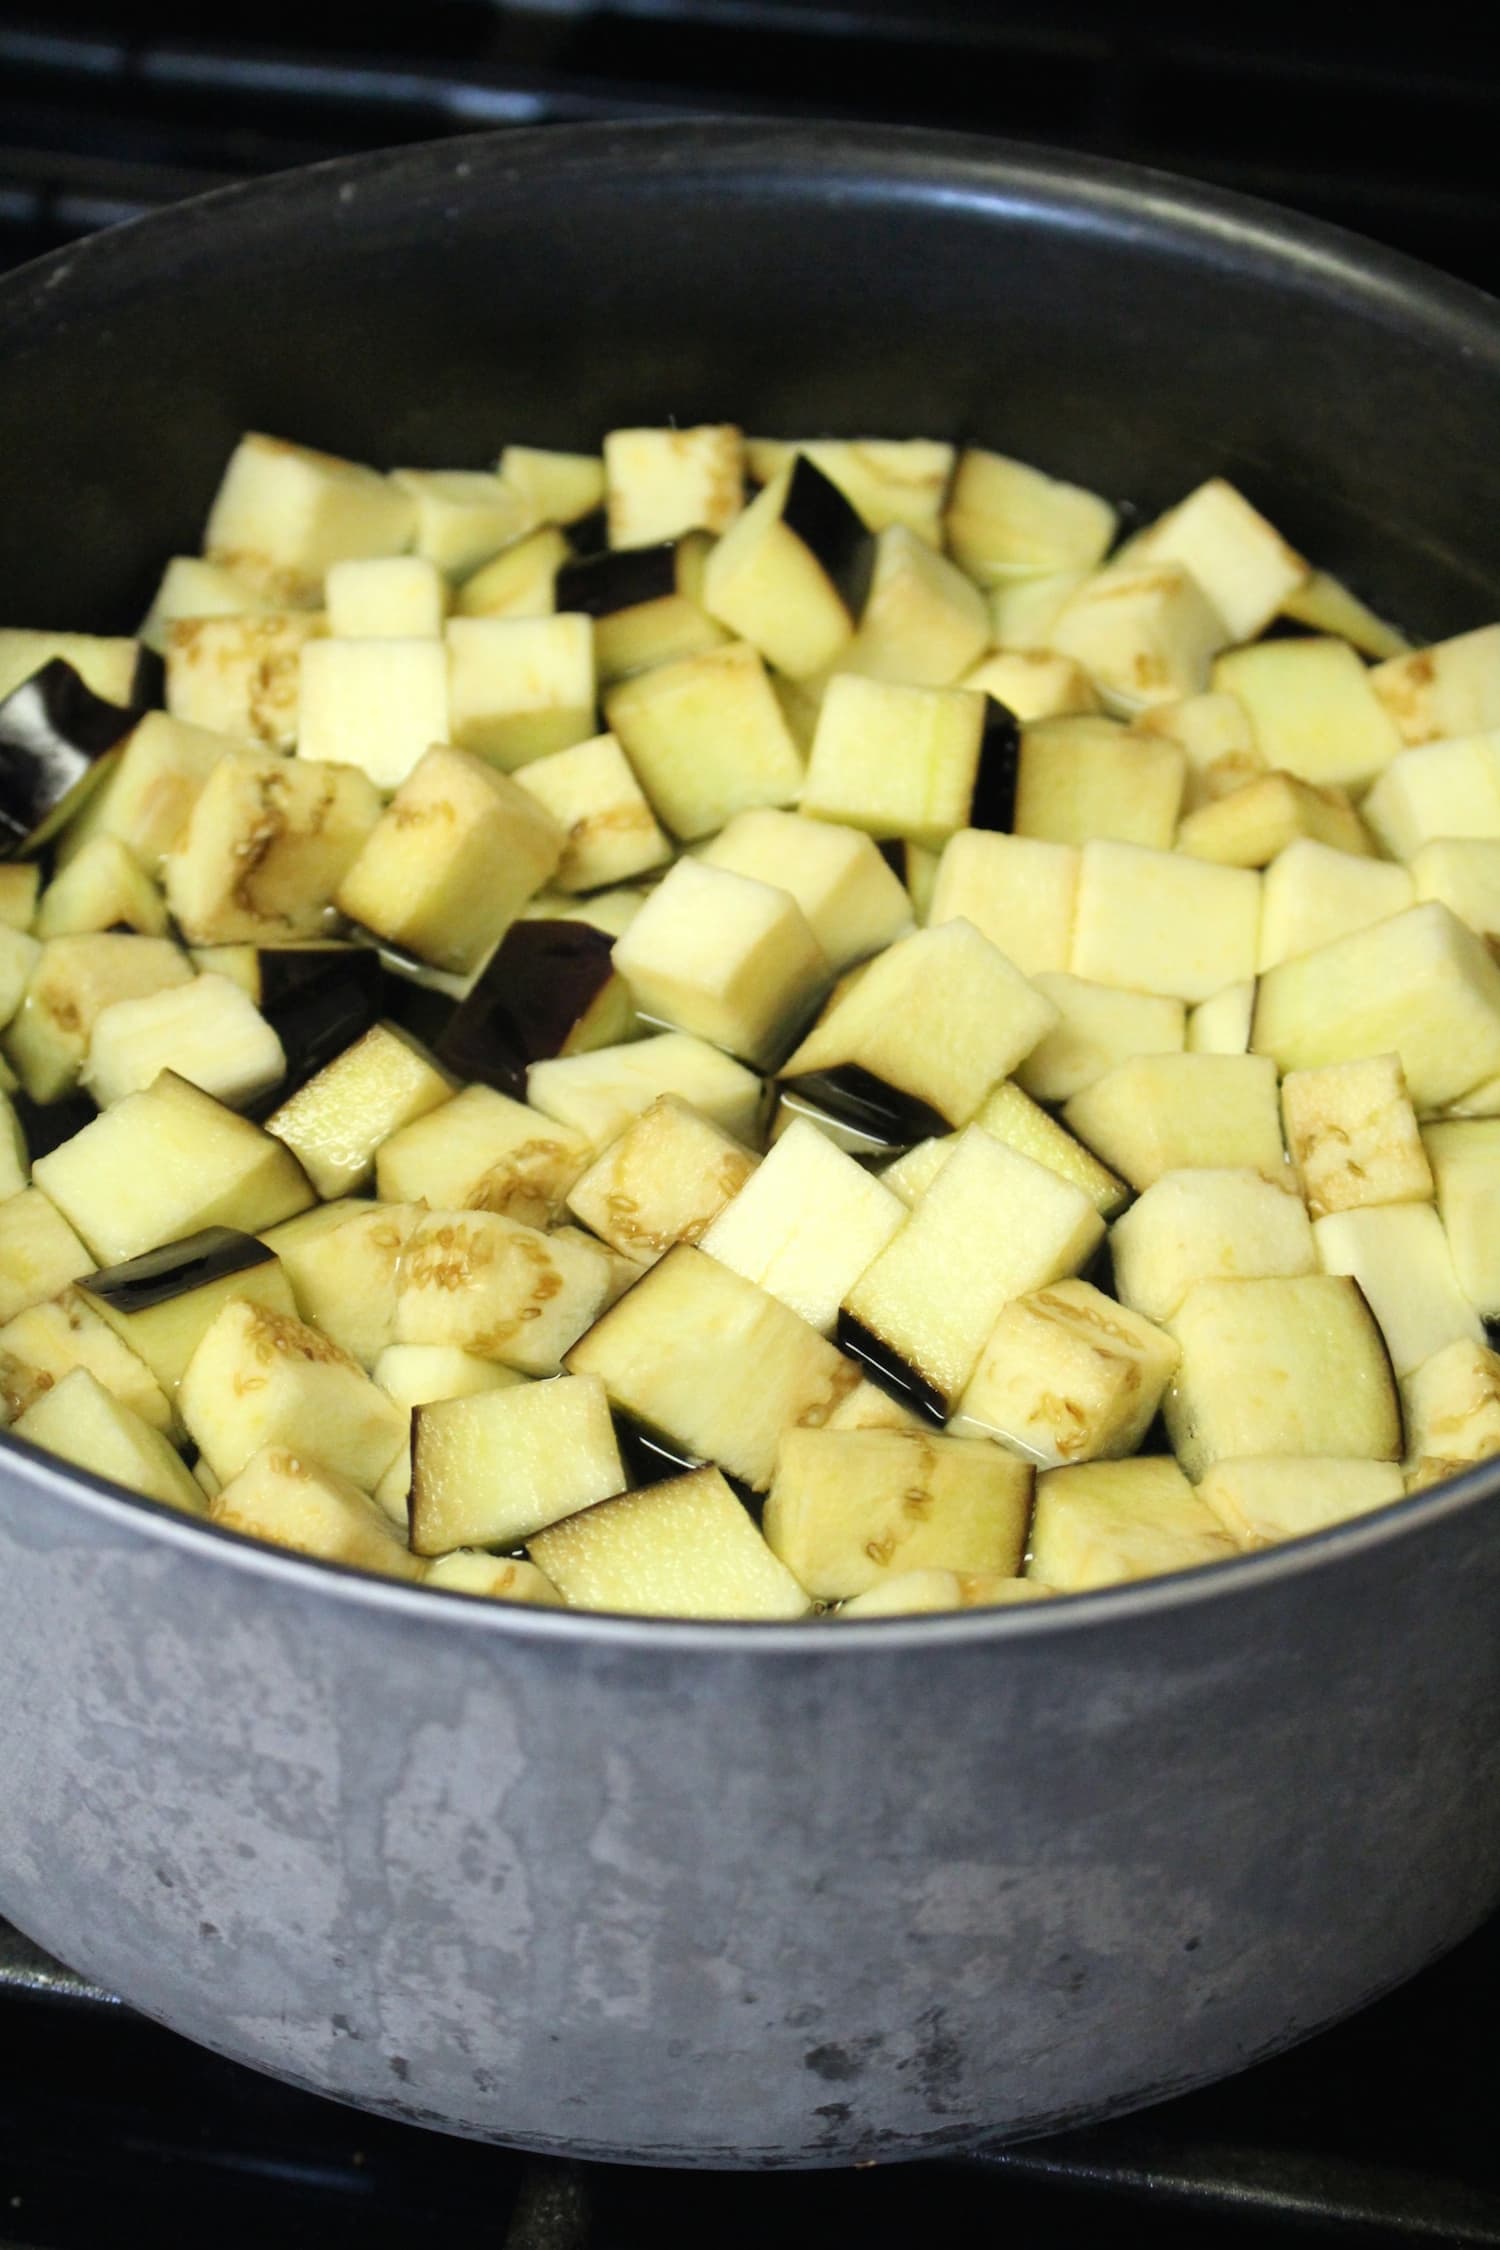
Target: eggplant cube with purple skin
(918, 762)
(451, 861)
(549, 989)
(924, 622)
(936, 1020)
(163, 1302)
(644, 602)
(791, 575)
(724, 956)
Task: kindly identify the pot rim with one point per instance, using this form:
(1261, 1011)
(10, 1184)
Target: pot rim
(1067, 191)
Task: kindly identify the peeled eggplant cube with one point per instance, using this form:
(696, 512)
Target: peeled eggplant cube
(266, 845)
(610, 832)
(1250, 825)
(74, 981)
(1280, 1366)
(1452, 688)
(1313, 710)
(1144, 633)
(1018, 891)
(1104, 1522)
(345, 1278)
(20, 887)
(1067, 1375)
(80, 1421)
(662, 482)
(644, 603)
(1419, 985)
(1166, 1113)
(483, 1152)
(451, 860)
(791, 574)
(289, 1498)
(706, 737)
(284, 513)
(499, 1578)
(665, 1180)
(937, 1019)
(54, 733)
(1082, 778)
(103, 887)
(208, 1031)
(373, 703)
(241, 676)
(1008, 520)
(1161, 922)
(912, 1593)
(386, 597)
(520, 582)
(917, 762)
(1206, 1225)
(718, 1367)
(1099, 1027)
(1264, 1500)
(258, 1378)
(992, 1225)
(1452, 1403)
(599, 1093)
(1241, 561)
(1013, 1117)
(165, 1163)
(499, 1290)
(151, 788)
(1352, 1134)
(1213, 733)
(684, 1548)
(854, 904)
(494, 1469)
(548, 989)
(1034, 683)
(886, 480)
(162, 1303)
(519, 687)
(1312, 894)
(1465, 1160)
(726, 957)
(805, 1225)
(851, 1508)
(14, 1157)
(39, 1252)
(1399, 1255)
(561, 487)
(923, 622)
(464, 516)
(336, 1121)
(65, 1333)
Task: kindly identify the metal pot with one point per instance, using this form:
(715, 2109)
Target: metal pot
(744, 1895)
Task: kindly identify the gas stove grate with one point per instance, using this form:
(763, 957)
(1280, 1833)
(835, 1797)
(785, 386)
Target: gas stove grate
(1379, 2133)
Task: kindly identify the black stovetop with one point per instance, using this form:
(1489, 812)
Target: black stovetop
(1381, 2132)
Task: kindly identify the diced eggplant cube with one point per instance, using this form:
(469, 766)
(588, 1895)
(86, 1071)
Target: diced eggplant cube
(103, 887)
(39, 1252)
(284, 513)
(1006, 519)
(241, 676)
(387, 597)
(1462, 871)
(1278, 1366)
(499, 1578)
(992, 1226)
(1241, 561)
(20, 955)
(562, 487)
(659, 483)
(286, 1496)
(494, 1469)
(726, 957)
(1105, 1522)
(150, 790)
(850, 1509)
(940, 1016)
(451, 861)
(1145, 633)
(886, 480)
(1311, 894)
(1167, 1113)
(55, 733)
(336, 1121)
(1264, 1500)
(1249, 826)
(375, 704)
(64, 1333)
(520, 687)
(1018, 891)
(162, 1303)
(1214, 736)
(80, 1421)
(1034, 683)
(266, 846)
(898, 761)
(685, 1548)
(853, 902)
(598, 1093)
(707, 738)
(1085, 778)
(520, 582)
(193, 587)
(665, 1180)
(1399, 1255)
(1465, 1160)
(644, 603)
(345, 1278)
(258, 1378)
(208, 1031)
(1067, 1375)
(610, 832)
(1449, 788)
(1099, 1027)
(792, 573)
(113, 671)
(912, 1593)
(1450, 689)
(499, 1290)
(549, 989)
(805, 1226)
(714, 1364)
(318, 999)
(1352, 1134)
(20, 887)
(1013, 1117)
(1452, 1402)
(483, 1152)
(923, 621)
(1197, 1226)
(1161, 922)
(75, 979)
(1313, 711)
(464, 516)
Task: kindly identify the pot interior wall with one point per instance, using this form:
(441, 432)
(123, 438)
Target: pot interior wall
(424, 308)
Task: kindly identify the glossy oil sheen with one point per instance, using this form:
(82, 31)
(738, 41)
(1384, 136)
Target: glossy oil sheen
(757, 1896)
